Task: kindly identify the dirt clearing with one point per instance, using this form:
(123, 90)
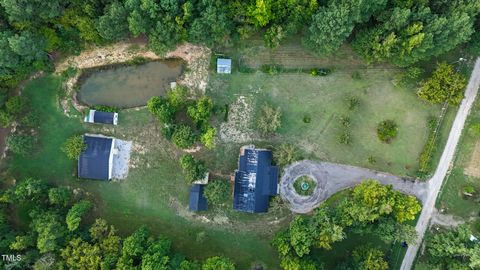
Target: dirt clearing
(473, 168)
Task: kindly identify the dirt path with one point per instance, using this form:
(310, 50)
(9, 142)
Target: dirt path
(436, 181)
(332, 177)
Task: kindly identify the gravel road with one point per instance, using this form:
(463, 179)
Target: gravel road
(435, 182)
(333, 177)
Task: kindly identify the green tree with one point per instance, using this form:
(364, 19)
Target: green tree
(444, 85)
(30, 10)
(162, 109)
(20, 144)
(113, 24)
(156, 256)
(208, 137)
(76, 213)
(22, 242)
(333, 24)
(269, 120)
(387, 130)
(50, 230)
(218, 263)
(74, 147)
(60, 196)
(30, 189)
(201, 111)
(217, 192)
(183, 136)
(192, 168)
(178, 96)
(212, 26)
(369, 259)
(29, 46)
(79, 254)
(16, 105)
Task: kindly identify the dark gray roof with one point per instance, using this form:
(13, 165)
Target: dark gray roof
(197, 201)
(94, 161)
(255, 181)
(103, 117)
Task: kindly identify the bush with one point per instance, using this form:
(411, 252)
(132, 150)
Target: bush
(345, 138)
(307, 119)
(217, 192)
(208, 137)
(372, 160)
(30, 120)
(269, 120)
(202, 109)
(444, 85)
(20, 144)
(16, 105)
(76, 213)
(271, 69)
(183, 136)
(320, 71)
(387, 130)
(162, 109)
(285, 154)
(74, 146)
(105, 108)
(352, 103)
(178, 96)
(194, 169)
(345, 121)
(5, 119)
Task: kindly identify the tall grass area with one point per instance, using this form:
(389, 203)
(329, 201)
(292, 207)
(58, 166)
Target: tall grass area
(154, 194)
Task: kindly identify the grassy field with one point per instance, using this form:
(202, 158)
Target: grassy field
(154, 194)
(379, 100)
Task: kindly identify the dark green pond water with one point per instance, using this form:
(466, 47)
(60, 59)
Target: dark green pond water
(129, 86)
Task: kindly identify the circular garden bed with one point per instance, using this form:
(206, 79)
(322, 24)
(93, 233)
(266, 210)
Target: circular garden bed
(304, 185)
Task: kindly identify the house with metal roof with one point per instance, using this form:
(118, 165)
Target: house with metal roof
(224, 66)
(255, 180)
(94, 116)
(96, 162)
(198, 202)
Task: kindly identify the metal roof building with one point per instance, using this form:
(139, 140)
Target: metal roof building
(255, 180)
(96, 161)
(94, 116)
(197, 201)
(224, 66)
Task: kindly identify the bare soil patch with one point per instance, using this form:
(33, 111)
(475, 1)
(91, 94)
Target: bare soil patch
(473, 167)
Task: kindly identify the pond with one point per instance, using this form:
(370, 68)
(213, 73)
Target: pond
(128, 86)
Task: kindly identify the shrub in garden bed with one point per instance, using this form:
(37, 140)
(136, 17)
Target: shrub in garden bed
(387, 130)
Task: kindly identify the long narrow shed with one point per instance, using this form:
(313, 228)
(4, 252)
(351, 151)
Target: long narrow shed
(94, 116)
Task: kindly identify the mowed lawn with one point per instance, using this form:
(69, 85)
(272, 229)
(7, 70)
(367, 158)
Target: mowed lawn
(154, 194)
(451, 198)
(325, 100)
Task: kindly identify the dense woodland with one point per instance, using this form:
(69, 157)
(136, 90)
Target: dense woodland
(57, 231)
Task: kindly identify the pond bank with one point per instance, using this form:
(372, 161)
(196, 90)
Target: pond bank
(195, 76)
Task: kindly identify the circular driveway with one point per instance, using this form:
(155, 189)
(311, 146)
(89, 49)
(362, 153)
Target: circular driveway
(332, 177)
